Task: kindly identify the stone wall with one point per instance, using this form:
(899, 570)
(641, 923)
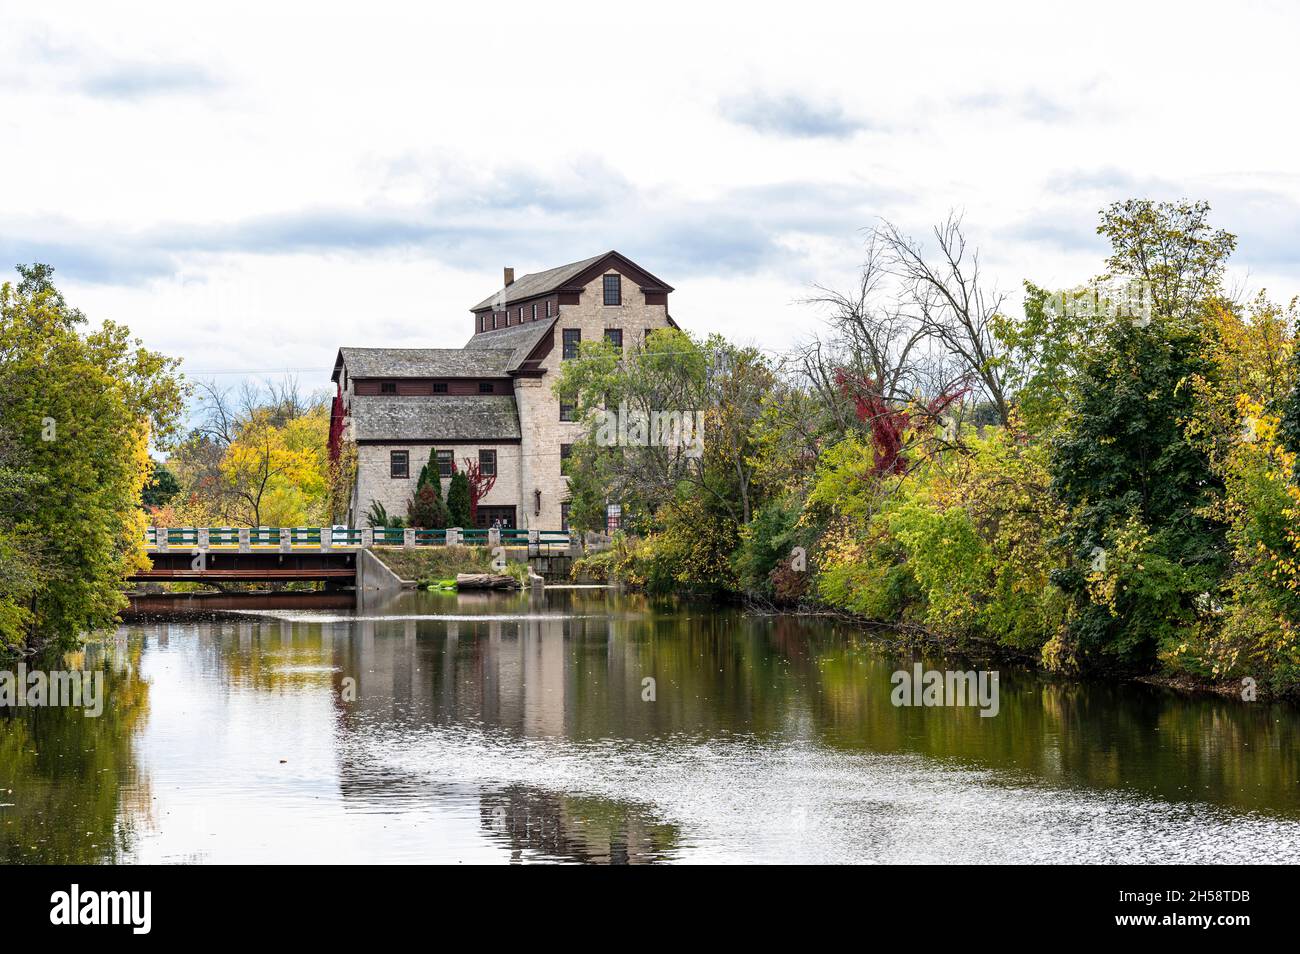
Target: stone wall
(374, 482)
(539, 409)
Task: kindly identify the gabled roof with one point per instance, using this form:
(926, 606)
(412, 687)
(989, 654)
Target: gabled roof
(519, 339)
(553, 279)
(483, 362)
(452, 418)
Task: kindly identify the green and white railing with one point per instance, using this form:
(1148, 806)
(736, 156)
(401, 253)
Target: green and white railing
(325, 539)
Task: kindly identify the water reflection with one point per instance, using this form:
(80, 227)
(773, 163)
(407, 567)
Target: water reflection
(70, 790)
(516, 727)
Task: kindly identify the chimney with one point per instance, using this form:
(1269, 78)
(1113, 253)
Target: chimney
(510, 276)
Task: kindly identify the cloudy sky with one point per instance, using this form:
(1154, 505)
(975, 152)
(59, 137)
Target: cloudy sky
(252, 187)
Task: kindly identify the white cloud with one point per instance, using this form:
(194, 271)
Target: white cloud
(254, 186)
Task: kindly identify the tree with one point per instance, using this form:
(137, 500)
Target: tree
(480, 484)
(678, 416)
(262, 456)
(1144, 553)
(952, 305)
(276, 475)
(162, 487)
(80, 409)
(430, 474)
(1289, 424)
(426, 509)
(872, 337)
(20, 550)
(1171, 249)
(458, 501)
(891, 422)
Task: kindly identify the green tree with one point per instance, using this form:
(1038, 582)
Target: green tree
(81, 408)
(458, 501)
(1143, 553)
(162, 487)
(426, 510)
(1171, 249)
(1289, 428)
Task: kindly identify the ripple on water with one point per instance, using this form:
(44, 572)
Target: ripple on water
(749, 800)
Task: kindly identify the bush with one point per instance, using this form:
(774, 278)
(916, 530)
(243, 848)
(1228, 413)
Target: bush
(426, 509)
(378, 516)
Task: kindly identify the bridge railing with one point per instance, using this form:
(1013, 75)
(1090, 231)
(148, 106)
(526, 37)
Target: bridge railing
(329, 538)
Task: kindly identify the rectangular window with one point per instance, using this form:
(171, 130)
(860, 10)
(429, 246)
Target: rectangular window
(566, 452)
(564, 517)
(548, 308)
(485, 387)
(568, 411)
(534, 312)
(613, 517)
(572, 338)
(495, 316)
(613, 290)
(399, 464)
(487, 463)
(615, 337)
(387, 387)
(521, 314)
(439, 387)
(444, 463)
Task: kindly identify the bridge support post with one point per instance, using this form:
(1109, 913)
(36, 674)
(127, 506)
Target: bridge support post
(245, 540)
(204, 538)
(326, 537)
(408, 538)
(286, 540)
(453, 536)
(494, 536)
(368, 538)
(160, 537)
(534, 542)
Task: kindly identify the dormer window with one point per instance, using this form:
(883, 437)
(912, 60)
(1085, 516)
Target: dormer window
(613, 290)
(387, 387)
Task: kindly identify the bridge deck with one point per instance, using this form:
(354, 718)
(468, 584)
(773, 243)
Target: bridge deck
(278, 554)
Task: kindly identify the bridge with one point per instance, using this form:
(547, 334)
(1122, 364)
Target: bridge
(319, 554)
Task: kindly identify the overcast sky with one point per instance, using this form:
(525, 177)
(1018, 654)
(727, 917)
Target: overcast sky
(252, 188)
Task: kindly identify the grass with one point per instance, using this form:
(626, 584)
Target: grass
(438, 566)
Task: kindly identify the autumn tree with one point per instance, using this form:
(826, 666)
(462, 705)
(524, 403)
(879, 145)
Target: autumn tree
(81, 407)
(480, 484)
(1143, 549)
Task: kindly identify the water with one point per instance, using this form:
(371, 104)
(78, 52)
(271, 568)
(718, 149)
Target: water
(504, 728)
